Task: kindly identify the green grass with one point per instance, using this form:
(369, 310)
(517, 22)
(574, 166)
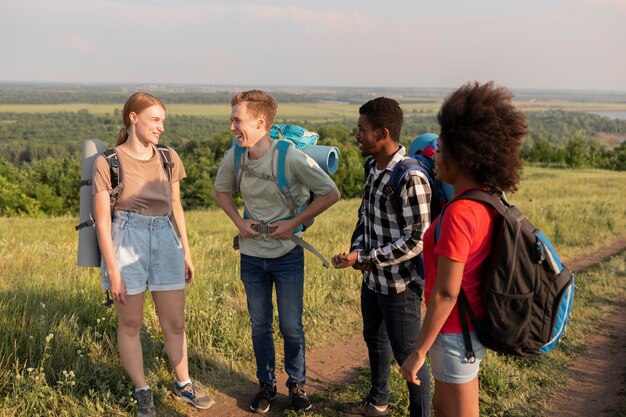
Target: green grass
(312, 112)
(57, 342)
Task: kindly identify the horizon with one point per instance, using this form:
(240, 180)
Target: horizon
(269, 87)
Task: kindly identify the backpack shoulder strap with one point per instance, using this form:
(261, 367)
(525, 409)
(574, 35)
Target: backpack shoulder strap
(282, 147)
(397, 175)
(166, 159)
(117, 175)
(494, 198)
(114, 167)
(238, 156)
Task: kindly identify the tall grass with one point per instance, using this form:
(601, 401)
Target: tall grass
(58, 354)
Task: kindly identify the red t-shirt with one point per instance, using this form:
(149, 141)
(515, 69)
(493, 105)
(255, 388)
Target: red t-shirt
(465, 236)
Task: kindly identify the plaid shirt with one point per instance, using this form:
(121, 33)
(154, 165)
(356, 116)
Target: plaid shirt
(389, 240)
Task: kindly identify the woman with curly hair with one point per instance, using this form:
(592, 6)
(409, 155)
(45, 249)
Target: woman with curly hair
(479, 148)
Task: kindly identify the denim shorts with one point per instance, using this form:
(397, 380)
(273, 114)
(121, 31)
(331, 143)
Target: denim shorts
(148, 253)
(447, 358)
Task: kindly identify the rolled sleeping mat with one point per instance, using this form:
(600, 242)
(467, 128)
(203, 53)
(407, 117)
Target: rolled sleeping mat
(88, 249)
(327, 157)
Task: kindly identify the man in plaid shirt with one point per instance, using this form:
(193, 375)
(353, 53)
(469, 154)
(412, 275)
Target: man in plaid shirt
(386, 241)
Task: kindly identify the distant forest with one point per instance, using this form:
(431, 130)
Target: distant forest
(40, 152)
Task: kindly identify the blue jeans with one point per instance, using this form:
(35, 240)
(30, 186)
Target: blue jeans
(259, 275)
(391, 323)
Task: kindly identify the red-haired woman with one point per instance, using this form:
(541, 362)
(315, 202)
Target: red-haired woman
(141, 249)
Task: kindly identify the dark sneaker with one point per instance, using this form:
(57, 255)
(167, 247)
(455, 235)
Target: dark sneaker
(364, 408)
(193, 393)
(262, 401)
(298, 397)
(145, 403)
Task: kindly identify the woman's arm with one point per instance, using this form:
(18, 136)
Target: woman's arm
(181, 226)
(442, 301)
(102, 217)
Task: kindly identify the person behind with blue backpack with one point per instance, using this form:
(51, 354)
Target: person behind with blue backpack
(385, 244)
(479, 148)
(269, 256)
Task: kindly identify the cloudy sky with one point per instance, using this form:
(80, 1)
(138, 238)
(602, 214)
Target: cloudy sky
(551, 44)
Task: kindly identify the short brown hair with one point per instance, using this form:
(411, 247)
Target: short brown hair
(259, 103)
(482, 132)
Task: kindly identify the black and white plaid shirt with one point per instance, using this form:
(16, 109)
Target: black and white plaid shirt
(389, 240)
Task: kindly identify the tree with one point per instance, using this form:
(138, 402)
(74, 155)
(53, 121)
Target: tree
(576, 150)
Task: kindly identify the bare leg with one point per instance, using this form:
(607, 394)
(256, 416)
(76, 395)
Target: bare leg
(130, 317)
(170, 306)
(456, 400)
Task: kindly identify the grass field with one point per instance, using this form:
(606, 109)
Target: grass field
(57, 341)
(313, 112)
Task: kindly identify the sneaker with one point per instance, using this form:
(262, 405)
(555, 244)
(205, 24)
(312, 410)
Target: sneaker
(193, 393)
(145, 403)
(298, 397)
(262, 401)
(364, 408)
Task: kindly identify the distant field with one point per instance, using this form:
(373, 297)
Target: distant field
(313, 112)
(293, 111)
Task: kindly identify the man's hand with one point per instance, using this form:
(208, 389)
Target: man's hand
(282, 229)
(246, 230)
(344, 260)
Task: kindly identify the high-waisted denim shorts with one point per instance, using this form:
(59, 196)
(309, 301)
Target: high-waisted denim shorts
(447, 358)
(148, 253)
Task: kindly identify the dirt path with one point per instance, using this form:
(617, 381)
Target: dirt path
(598, 376)
(594, 390)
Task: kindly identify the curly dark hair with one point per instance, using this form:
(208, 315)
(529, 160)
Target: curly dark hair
(482, 132)
(383, 112)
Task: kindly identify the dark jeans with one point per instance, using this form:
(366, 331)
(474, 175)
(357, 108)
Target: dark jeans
(391, 323)
(259, 275)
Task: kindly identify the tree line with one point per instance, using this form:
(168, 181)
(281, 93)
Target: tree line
(40, 153)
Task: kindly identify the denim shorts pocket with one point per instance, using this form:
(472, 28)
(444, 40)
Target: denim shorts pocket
(117, 234)
(178, 242)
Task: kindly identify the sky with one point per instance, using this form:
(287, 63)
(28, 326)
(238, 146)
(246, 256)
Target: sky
(528, 44)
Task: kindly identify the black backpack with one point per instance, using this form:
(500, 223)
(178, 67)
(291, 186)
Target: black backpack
(117, 172)
(528, 292)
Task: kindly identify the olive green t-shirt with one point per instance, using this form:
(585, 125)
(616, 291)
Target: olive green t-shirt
(146, 189)
(262, 198)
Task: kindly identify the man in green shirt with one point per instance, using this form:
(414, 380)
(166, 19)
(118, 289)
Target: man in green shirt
(268, 256)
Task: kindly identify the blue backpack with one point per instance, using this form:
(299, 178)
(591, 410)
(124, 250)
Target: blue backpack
(327, 157)
(528, 292)
(421, 152)
(287, 136)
